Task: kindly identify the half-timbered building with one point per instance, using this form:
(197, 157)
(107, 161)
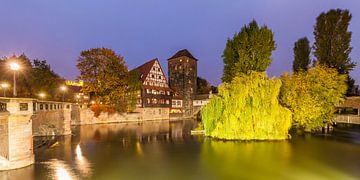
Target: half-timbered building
(155, 91)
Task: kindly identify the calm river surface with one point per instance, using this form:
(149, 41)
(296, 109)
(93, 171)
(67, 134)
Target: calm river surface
(166, 150)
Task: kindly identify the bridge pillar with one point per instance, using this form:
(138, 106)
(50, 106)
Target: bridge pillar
(16, 141)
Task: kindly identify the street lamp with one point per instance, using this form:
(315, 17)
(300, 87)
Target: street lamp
(42, 95)
(63, 89)
(15, 67)
(4, 86)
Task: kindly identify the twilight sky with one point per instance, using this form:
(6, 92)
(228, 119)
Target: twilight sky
(141, 30)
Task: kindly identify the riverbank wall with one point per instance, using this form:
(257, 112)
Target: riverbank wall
(81, 115)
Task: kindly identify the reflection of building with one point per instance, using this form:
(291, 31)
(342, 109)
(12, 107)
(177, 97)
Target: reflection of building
(182, 71)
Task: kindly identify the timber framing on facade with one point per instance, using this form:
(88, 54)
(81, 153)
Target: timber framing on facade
(155, 91)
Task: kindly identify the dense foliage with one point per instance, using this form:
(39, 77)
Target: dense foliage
(312, 95)
(332, 42)
(247, 108)
(249, 50)
(34, 77)
(105, 75)
(203, 86)
(301, 55)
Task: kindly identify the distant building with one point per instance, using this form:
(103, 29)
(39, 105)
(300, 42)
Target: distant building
(155, 91)
(182, 71)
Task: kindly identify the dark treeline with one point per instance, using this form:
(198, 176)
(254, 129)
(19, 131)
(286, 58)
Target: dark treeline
(34, 77)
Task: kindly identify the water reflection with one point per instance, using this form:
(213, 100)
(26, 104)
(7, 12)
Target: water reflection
(166, 150)
(82, 163)
(61, 171)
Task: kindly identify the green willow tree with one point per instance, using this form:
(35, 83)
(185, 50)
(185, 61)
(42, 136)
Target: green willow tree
(332, 42)
(249, 50)
(247, 109)
(301, 55)
(312, 95)
(105, 74)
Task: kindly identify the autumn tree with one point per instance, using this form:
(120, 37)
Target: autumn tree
(332, 41)
(301, 55)
(249, 50)
(105, 74)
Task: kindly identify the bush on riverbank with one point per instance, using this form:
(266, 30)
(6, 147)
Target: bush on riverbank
(99, 108)
(247, 109)
(312, 95)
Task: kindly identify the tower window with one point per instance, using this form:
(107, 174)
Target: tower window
(187, 60)
(180, 60)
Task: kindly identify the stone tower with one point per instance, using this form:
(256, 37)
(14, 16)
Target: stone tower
(182, 71)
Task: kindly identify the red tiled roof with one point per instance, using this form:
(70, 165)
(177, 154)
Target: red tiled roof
(181, 53)
(145, 69)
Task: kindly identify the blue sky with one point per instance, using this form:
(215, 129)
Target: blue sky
(141, 30)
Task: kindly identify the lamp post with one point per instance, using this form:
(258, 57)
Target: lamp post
(15, 67)
(42, 95)
(4, 86)
(63, 89)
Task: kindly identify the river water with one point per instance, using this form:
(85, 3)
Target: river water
(166, 150)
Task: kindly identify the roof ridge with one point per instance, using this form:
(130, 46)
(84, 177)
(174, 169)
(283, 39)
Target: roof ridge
(181, 53)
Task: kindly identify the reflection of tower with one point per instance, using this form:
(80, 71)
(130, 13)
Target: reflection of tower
(182, 71)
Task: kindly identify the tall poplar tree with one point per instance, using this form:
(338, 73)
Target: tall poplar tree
(332, 41)
(301, 55)
(249, 50)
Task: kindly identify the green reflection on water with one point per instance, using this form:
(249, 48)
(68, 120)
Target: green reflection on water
(166, 150)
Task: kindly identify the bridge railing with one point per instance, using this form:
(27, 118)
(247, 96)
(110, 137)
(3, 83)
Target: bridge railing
(349, 119)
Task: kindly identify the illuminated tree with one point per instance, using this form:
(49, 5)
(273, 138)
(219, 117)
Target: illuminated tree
(247, 109)
(249, 50)
(312, 95)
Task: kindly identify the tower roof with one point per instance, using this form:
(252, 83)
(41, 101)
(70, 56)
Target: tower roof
(181, 53)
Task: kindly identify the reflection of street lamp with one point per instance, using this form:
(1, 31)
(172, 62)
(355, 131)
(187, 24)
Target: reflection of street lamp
(42, 95)
(63, 89)
(4, 86)
(15, 67)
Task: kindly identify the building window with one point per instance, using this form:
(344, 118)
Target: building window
(159, 77)
(168, 92)
(152, 76)
(187, 60)
(180, 60)
(154, 101)
(174, 102)
(148, 91)
(148, 100)
(167, 101)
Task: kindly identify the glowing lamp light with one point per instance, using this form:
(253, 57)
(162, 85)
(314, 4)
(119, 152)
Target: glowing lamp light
(42, 95)
(63, 88)
(4, 85)
(14, 66)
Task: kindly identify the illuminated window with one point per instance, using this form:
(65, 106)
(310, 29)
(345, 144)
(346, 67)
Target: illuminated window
(180, 60)
(148, 100)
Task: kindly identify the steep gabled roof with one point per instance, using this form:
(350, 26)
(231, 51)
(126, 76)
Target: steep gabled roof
(181, 53)
(145, 69)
